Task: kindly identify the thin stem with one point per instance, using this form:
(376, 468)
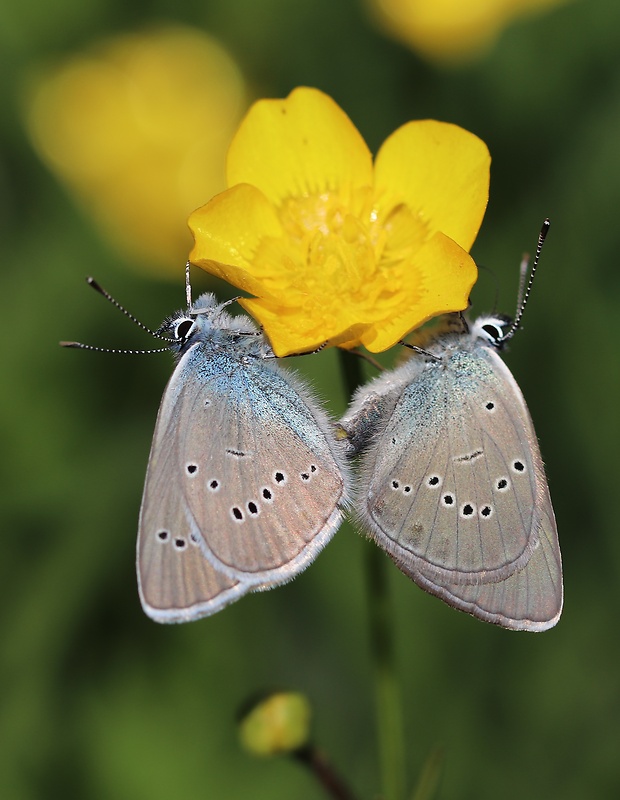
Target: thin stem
(387, 687)
(381, 631)
(323, 771)
(351, 365)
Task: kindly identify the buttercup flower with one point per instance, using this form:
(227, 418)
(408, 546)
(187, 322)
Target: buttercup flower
(452, 30)
(138, 127)
(336, 250)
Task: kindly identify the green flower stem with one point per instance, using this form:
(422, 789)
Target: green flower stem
(387, 688)
(317, 763)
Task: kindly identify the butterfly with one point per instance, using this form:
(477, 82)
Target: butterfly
(246, 481)
(452, 483)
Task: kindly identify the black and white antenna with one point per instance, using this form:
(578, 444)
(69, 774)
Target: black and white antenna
(188, 287)
(525, 287)
(79, 345)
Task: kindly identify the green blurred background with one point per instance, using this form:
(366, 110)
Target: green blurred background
(99, 702)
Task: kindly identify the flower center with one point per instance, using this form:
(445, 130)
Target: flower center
(344, 251)
(332, 243)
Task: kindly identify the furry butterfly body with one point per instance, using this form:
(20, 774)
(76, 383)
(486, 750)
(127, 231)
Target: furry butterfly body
(246, 482)
(452, 484)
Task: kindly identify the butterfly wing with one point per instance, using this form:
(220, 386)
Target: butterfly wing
(176, 582)
(528, 600)
(255, 473)
(450, 484)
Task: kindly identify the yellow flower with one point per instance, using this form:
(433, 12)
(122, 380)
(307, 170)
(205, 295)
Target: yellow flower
(335, 249)
(138, 127)
(276, 725)
(452, 30)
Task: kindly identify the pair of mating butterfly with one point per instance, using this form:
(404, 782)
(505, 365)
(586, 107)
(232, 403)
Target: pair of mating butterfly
(248, 479)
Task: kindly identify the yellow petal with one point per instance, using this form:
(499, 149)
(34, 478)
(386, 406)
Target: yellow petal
(452, 30)
(444, 275)
(291, 331)
(299, 146)
(441, 172)
(228, 232)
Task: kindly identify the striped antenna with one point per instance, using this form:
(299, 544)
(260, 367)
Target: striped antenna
(525, 288)
(80, 346)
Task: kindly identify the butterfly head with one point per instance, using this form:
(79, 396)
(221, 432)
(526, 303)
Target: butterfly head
(493, 330)
(206, 320)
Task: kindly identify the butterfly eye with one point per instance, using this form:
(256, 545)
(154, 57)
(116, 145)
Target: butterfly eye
(183, 328)
(493, 332)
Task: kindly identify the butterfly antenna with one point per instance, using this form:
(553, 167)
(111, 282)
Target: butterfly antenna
(93, 283)
(525, 288)
(81, 346)
(188, 287)
(523, 269)
(188, 293)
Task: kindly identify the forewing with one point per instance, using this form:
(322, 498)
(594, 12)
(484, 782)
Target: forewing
(450, 486)
(242, 467)
(268, 484)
